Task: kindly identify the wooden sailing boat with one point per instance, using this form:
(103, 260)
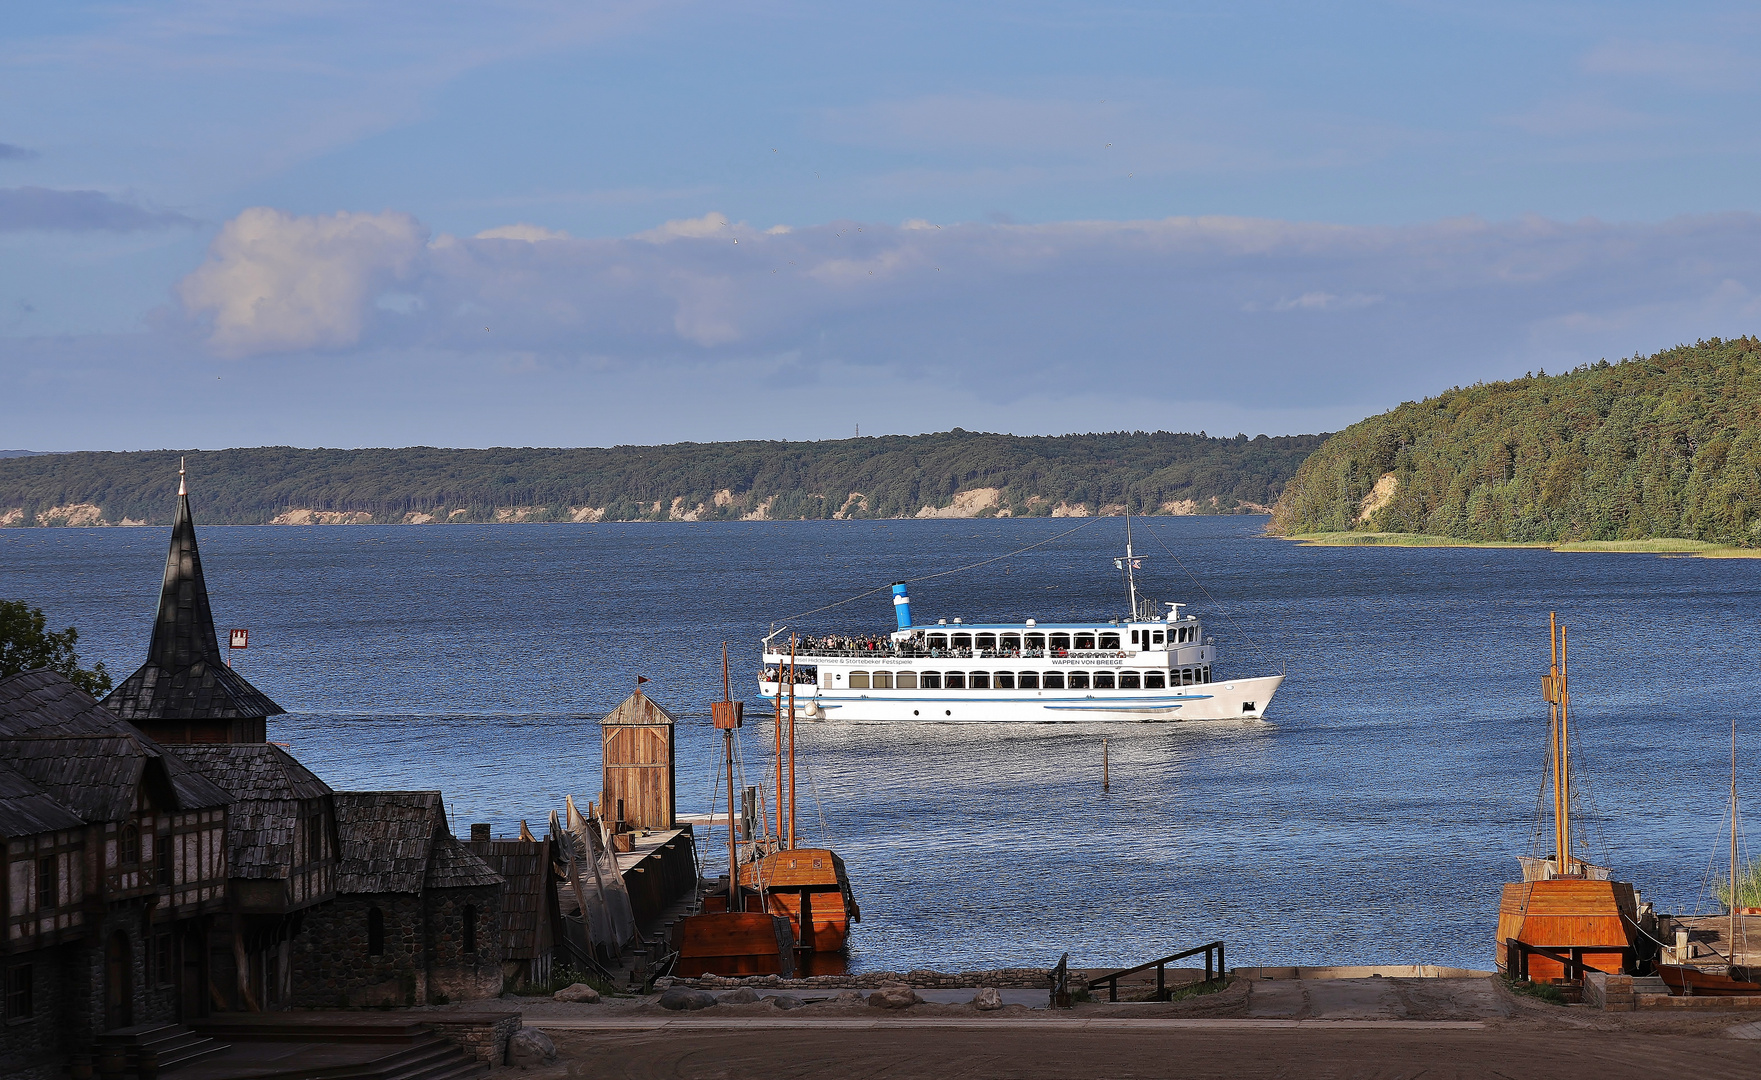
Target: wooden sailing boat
(808, 886)
(726, 938)
(1565, 905)
(1735, 979)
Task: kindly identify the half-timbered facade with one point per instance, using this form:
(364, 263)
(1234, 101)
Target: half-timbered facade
(114, 867)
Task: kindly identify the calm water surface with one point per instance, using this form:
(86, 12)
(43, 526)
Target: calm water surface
(1371, 818)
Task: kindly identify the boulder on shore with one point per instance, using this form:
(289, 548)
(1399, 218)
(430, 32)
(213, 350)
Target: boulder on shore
(987, 999)
(531, 1047)
(894, 996)
(681, 999)
(579, 993)
(785, 1001)
(743, 996)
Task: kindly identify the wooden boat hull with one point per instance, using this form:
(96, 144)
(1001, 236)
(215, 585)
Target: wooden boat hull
(810, 879)
(1568, 913)
(1685, 979)
(734, 943)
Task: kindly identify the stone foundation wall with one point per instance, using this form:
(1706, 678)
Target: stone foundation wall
(1002, 979)
(484, 1037)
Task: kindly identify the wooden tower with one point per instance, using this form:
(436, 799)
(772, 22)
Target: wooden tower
(637, 740)
(1564, 904)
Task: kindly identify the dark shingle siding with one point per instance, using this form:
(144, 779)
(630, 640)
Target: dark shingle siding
(83, 756)
(452, 866)
(527, 899)
(27, 810)
(185, 676)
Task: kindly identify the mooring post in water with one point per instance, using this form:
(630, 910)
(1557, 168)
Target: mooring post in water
(1106, 774)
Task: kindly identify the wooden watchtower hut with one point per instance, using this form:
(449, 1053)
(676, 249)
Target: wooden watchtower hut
(639, 788)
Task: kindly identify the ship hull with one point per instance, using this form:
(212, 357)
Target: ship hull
(1234, 699)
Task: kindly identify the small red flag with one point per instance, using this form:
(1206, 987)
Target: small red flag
(640, 679)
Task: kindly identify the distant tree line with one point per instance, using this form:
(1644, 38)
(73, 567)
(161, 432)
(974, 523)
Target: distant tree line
(882, 477)
(1657, 446)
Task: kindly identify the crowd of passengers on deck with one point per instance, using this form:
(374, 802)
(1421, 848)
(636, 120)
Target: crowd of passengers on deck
(986, 644)
(803, 676)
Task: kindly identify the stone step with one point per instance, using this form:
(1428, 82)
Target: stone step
(1649, 984)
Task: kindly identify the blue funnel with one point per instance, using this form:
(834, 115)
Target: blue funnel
(901, 605)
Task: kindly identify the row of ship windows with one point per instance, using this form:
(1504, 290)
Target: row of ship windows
(1028, 680)
(1081, 639)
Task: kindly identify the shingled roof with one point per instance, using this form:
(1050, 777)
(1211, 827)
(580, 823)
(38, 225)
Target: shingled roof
(26, 809)
(83, 757)
(268, 786)
(185, 676)
(530, 896)
(391, 840)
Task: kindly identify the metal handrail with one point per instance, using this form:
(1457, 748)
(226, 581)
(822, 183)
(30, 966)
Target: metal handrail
(1217, 973)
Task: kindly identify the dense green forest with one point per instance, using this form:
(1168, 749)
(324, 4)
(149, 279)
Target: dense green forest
(954, 473)
(1658, 446)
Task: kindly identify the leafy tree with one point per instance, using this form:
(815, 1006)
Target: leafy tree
(1657, 446)
(26, 644)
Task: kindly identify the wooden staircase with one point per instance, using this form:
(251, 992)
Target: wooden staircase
(160, 1048)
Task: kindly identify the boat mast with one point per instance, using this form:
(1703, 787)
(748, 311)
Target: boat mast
(1731, 934)
(791, 743)
(1127, 564)
(734, 898)
(1554, 690)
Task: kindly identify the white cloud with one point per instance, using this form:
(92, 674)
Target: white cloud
(713, 223)
(274, 282)
(1279, 314)
(532, 234)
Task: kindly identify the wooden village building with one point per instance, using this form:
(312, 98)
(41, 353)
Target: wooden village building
(115, 868)
(162, 861)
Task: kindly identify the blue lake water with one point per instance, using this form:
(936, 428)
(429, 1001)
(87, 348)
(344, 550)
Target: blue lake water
(1371, 818)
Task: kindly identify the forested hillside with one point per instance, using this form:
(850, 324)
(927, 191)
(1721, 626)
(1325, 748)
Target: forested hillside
(953, 474)
(1658, 446)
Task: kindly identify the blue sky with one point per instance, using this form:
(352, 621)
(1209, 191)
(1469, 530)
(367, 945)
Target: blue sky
(227, 224)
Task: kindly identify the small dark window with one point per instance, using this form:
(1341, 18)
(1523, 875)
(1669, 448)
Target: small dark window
(1128, 680)
(1078, 680)
(1005, 680)
(1152, 680)
(375, 932)
(980, 680)
(1085, 641)
(930, 680)
(1134, 640)
(48, 888)
(470, 929)
(163, 848)
(1054, 680)
(18, 993)
(1060, 641)
(1029, 680)
(1103, 680)
(1036, 641)
(1109, 641)
(1158, 637)
(128, 847)
(956, 680)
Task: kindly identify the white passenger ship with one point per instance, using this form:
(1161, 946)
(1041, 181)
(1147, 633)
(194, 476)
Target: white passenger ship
(1146, 668)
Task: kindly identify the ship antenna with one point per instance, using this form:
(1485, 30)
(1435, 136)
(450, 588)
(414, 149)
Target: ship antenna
(1130, 567)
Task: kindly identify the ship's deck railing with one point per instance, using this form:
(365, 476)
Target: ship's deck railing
(804, 655)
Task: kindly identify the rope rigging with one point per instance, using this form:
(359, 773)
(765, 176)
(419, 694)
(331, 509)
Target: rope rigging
(939, 573)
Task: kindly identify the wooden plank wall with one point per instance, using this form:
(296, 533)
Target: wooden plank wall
(637, 741)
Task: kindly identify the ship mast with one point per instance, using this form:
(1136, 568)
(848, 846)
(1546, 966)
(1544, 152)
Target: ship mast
(1128, 564)
(1555, 690)
(1731, 933)
(734, 898)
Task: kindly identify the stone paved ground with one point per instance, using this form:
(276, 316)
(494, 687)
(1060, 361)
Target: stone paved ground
(1323, 1028)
